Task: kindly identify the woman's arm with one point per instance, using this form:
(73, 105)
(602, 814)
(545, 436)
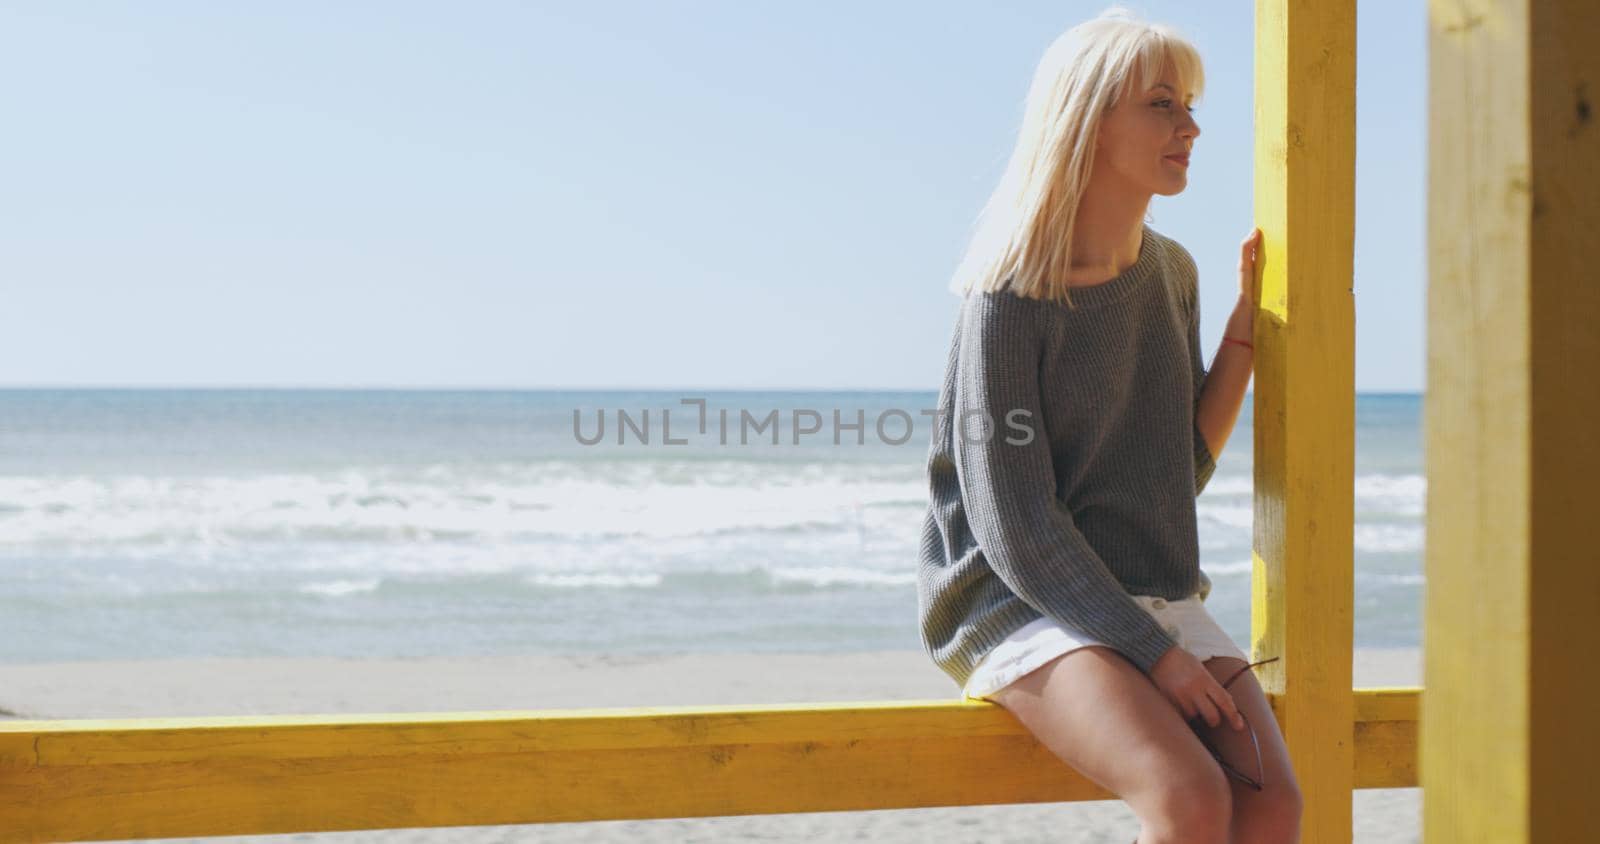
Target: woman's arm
(1222, 393)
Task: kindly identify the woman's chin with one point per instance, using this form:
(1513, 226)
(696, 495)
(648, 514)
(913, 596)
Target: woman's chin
(1173, 187)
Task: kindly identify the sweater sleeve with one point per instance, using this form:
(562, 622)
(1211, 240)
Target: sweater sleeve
(1008, 486)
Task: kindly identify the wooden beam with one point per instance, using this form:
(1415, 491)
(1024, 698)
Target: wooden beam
(1513, 396)
(1304, 414)
(86, 780)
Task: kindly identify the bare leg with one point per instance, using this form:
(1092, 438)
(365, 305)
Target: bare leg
(1101, 715)
(1272, 815)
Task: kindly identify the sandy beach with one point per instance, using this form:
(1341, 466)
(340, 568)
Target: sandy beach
(288, 686)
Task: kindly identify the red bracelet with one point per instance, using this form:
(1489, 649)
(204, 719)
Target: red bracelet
(1240, 342)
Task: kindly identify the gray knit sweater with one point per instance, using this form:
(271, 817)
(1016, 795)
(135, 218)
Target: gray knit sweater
(1083, 492)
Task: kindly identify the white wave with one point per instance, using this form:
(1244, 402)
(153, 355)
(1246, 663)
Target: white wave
(840, 575)
(1389, 538)
(604, 580)
(1238, 516)
(642, 500)
(1392, 579)
(336, 588)
(1391, 495)
(1228, 483)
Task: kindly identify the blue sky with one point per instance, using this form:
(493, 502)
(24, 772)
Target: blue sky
(600, 195)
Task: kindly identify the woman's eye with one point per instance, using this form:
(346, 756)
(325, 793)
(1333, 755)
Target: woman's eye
(1168, 103)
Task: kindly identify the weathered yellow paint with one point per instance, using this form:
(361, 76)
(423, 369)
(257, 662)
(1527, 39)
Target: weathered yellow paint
(1510, 727)
(164, 777)
(1304, 414)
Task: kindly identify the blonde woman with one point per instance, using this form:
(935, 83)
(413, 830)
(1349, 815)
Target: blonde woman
(1059, 573)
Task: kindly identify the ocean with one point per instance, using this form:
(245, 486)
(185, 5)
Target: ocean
(139, 524)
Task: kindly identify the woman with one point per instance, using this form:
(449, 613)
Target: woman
(1059, 573)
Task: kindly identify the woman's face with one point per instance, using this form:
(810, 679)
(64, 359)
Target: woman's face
(1140, 132)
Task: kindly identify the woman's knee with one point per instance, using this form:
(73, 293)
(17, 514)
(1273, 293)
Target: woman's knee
(1197, 808)
(1271, 816)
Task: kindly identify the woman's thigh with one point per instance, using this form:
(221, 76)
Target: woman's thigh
(1096, 711)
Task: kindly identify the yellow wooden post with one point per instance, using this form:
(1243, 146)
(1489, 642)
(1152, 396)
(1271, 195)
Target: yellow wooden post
(1509, 728)
(1304, 414)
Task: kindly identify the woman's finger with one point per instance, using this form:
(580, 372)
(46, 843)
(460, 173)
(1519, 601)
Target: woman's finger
(1249, 252)
(1230, 708)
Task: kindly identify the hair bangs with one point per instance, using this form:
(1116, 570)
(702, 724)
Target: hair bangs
(1155, 52)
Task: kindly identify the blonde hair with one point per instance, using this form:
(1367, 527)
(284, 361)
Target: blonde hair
(1023, 235)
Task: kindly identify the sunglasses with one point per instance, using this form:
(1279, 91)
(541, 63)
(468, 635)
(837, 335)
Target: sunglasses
(1258, 781)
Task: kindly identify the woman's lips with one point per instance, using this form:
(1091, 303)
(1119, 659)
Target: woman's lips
(1181, 159)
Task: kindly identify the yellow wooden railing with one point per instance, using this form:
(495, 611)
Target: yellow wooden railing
(165, 777)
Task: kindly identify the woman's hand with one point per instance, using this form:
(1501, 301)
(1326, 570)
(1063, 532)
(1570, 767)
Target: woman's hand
(1242, 322)
(1191, 688)
(1249, 253)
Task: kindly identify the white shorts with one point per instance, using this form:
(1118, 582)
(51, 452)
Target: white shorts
(1042, 640)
